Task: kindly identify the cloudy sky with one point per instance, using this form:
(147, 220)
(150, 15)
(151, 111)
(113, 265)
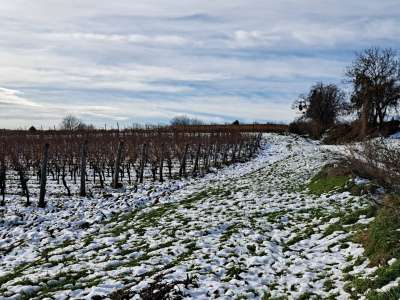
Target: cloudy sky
(145, 61)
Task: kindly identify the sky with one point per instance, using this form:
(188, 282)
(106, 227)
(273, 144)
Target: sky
(146, 61)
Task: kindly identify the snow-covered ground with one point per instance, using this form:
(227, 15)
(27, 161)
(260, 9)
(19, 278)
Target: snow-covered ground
(396, 136)
(249, 230)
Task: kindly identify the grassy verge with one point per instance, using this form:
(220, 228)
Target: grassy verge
(381, 241)
(330, 178)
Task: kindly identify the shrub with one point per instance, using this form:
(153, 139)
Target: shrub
(342, 133)
(305, 128)
(377, 160)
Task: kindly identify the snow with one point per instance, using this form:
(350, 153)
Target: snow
(395, 136)
(242, 231)
(390, 285)
(361, 181)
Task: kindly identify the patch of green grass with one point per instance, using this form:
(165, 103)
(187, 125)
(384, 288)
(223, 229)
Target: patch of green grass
(267, 296)
(348, 269)
(305, 234)
(329, 284)
(382, 238)
(333, 228)
(152, 217)
(381, 241)
(350, 218)
(60, 280)
(25, 281)
(118, 230)
(231, 230)
(132, 263)
(18, 271)
(381, 277)
(307, 296)
(392, 294)
(233, 273)
(195, 198)
(87, 240)
(354, 216)
(272, 216)
(329, 179)
(359, 261)
(252, 248)
(322, 185)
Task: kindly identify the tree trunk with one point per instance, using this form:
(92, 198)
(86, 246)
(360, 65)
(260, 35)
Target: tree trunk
(364, 119)
(43, 176)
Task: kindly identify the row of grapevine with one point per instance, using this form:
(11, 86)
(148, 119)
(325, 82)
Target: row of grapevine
(106, 158)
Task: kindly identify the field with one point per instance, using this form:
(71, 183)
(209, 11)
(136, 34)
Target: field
(249, 229)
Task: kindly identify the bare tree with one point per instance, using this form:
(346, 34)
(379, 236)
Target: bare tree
(185, 121)
(84, 126)
(70, 122)
(322, 105)
(375, 76)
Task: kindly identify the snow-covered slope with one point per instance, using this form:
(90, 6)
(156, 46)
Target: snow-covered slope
(245, 231)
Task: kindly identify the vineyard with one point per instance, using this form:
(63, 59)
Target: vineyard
(85, 161)
(157, 214)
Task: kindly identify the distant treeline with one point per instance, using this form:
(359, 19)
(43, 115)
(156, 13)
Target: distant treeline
(203, 128)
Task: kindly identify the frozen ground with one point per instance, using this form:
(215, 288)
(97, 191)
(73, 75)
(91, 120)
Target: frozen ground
(248, 231)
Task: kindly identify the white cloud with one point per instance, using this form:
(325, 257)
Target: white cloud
(161, 40)
(318, 34)
(9, 97)
(243, 38)
(216, 57)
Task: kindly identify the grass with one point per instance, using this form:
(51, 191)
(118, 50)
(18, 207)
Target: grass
(308, 295)
(329, 179)
(322, 185)
(273, 216)
(305, 234)
(233, 273)
(231, 230)
(350, 219)
(381, 241)
(68, 278)
(392, 294)
(329, 284)
(18, 271)
(381, 277)
(333, 228)
(252, 249)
